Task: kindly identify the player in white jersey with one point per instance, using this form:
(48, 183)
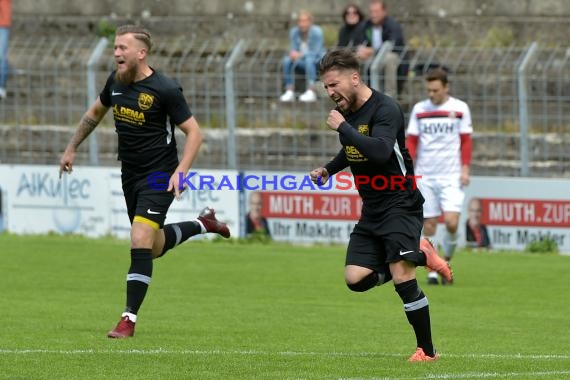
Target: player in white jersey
(439, 141)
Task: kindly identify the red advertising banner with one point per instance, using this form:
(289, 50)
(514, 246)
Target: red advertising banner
(306, 205)
(526, 212)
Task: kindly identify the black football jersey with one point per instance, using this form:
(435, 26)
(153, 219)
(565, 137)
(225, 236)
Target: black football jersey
(146, 113)
(373, 145)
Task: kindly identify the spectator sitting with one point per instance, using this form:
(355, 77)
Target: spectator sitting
(351, 34)
(378, 29)
(306, 48)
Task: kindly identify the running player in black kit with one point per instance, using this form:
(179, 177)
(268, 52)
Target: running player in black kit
(385, 244)
(147, 105)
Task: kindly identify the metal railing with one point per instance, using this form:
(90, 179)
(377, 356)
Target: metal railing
(519, 99)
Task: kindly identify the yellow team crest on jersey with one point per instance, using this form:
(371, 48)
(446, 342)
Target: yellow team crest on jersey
(363, 129)
(145, 101)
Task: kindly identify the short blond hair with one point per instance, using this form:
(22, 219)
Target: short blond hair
(140, 33)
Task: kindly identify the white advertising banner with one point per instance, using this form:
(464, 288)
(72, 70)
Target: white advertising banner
(90, 201)
(5, 177)
(515, 211)
(519, 211)
(38, 201)
(33, 199)
(296, 210)
(204, 188)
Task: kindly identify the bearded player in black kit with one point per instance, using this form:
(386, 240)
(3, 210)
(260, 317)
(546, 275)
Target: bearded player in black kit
(147, 105)
(385, 244)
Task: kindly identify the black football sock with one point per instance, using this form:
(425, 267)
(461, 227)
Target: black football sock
(417, 311)
(177, 233)
(138, 279)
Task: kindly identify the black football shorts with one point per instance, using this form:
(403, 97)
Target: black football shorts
(374, 244)
(145, 204)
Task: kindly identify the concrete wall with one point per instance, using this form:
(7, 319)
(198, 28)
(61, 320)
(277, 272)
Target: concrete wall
(133, 8)
(426, 22)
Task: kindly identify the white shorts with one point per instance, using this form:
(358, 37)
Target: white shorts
(441, 194)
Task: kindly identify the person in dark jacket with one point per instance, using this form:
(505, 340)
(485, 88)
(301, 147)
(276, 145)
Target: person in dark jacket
(351, 34)
(379, 28)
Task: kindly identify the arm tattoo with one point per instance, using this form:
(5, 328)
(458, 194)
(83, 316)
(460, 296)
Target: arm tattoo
(86, 126)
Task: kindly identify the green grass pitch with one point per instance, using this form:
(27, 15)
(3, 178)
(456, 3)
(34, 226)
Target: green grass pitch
(230, 310)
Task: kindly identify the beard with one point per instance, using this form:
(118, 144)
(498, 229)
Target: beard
(127, 77)
(348, 102)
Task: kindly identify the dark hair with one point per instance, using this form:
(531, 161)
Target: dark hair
(339, 59)
(358, 11)
(139, 32)
(438, 73)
